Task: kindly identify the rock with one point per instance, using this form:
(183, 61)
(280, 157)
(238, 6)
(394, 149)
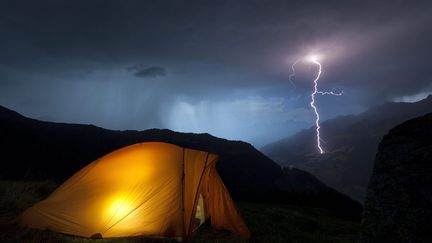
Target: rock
(398, 206)
(96, 236)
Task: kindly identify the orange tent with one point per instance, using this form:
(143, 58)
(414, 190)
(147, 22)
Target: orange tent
(151, 189)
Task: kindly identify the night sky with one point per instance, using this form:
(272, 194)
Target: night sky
(219, 67)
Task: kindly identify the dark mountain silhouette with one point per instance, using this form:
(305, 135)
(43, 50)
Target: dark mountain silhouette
(398, 206)
(350, 143)
(33, 149)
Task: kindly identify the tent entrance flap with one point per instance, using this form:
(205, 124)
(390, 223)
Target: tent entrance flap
(200, 213)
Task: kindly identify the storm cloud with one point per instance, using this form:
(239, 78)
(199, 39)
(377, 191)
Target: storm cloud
(97, 61)
(143, 71)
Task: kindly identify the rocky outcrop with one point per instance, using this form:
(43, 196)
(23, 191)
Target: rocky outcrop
(398, 205)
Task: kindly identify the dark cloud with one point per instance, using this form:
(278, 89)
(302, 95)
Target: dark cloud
(218, 52)
(143, 71)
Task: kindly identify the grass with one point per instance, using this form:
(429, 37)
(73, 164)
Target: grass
(267, 222)
(284, 223)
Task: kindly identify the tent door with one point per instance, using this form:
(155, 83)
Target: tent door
(200, 213)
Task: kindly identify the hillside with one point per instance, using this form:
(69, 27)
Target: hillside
(33, 149)
(350, 143)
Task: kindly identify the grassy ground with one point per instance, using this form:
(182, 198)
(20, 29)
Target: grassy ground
(267, 222)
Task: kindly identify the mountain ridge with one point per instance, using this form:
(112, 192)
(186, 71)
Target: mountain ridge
(350, 143)
(33, 149)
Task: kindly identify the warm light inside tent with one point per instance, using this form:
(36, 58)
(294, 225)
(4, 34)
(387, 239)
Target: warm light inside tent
(118, 208)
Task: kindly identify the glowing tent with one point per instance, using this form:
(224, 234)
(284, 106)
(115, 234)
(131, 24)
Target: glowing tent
(151, 189)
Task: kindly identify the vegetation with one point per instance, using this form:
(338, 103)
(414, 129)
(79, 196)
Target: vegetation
(267, 222)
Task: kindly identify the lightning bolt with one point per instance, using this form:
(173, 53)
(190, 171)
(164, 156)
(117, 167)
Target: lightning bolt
(312, 103)
(314, 60)
(292, 74)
